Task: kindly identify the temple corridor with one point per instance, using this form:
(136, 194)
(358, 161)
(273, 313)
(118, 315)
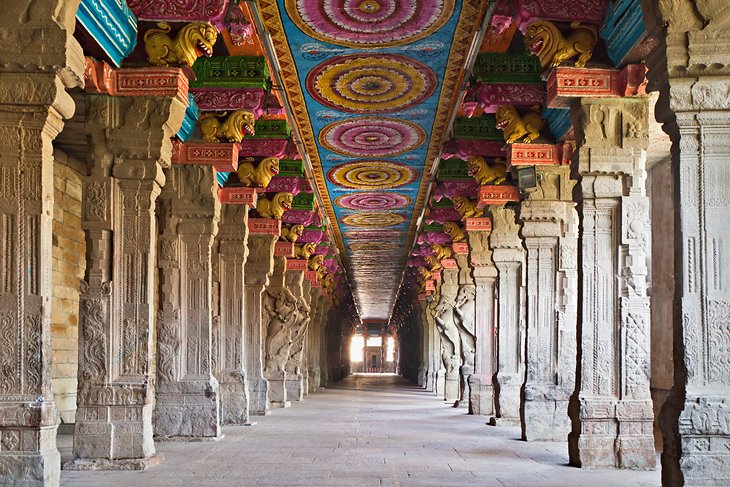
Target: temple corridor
(367, 430)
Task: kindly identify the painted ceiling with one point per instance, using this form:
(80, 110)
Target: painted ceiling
(372, 84)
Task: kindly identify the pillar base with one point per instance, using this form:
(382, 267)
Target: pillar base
(121, 464)
(187, 409)
(277, 386)
(294, 385)
(280, 404)
(439, 382)
(451, 387)
(234, 397)
(507, 398)
(465, 391)
(258, 397)
(503, 422)
(545, 414)
(481, 399)
(37, 469)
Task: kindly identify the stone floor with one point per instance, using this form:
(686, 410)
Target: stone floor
(370, 430)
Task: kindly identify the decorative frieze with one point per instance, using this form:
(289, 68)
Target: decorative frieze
(100, 78)
(566, 83)
(238, 195)
(212, 11)
(227, 99)
(223, 157)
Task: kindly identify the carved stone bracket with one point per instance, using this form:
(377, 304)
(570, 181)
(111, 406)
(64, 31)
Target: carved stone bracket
(565, 83)
(223, 157)
(101, 78)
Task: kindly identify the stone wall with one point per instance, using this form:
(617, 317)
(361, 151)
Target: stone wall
(69, 262)
(660, 187)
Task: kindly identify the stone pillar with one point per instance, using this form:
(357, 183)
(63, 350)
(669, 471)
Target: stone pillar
(508, 255)
(450, 340)
(39, 58)
(313, 343)
(612, 411)
(695, 420)
(229, 337)
(279, 316)
(465, 314)
(130, 145)
(188, 403)
(295, 372)
(485, 277)
(550, 232)
(258, 269)
(419, 320)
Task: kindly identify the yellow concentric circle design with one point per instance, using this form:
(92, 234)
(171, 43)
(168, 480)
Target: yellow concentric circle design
(373, 219)
(372, 175)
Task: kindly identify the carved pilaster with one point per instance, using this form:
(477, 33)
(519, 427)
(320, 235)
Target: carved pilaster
(188, 404)
(550, 233)
(508, 255)
(228, 348)
(485, 278)
(259, 267)
(130, 144)
(612, 412)
(695, 419)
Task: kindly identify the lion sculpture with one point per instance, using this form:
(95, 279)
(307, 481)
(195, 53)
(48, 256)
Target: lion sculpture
(192, 41)
(441, 252)
(466, 207)
(433, 263)
(486, 174)
(543, 39)
(304, 251)
(235, 126)
(291, 234)
(315, 262)
(260, 176)
(454, 232)
(275, 208)
(518, 128)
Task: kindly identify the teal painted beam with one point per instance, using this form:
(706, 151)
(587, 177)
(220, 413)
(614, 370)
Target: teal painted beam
(111, 24)
(623, 29)
(191, 116)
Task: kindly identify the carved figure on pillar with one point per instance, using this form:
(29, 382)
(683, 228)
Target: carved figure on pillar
(451, 342)
(282, 314)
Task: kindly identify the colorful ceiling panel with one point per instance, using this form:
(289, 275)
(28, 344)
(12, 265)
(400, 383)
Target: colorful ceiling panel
(372, 84)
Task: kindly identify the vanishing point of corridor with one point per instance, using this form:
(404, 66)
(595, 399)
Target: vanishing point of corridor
(368, 430)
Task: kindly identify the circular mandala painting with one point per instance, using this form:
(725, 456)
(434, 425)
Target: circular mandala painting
(373, 201)
(372, 175)
(378, 83)
(372, 137)
(374, 219)
(369, 23)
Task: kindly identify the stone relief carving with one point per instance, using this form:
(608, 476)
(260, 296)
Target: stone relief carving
(282, 312)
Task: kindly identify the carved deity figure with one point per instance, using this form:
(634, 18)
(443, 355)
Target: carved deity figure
(275, 208)
(192, 41)
(233, 128)
(281, 309)
(260, 176)
(516, 128)
(544, 40)
(480, 170)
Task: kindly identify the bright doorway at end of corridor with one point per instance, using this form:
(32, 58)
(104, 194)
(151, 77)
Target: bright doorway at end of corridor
(373, 349)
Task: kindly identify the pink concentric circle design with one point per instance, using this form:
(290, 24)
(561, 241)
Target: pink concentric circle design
(372, 137)
(369, 23)
(371, 201)
(372, 175)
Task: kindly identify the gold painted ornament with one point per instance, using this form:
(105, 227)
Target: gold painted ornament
(454, 232)
(235, 126)
(315, 262)
(441, 252)
(291, 234)
(486, 174)
(518, 128)
(261, 175)
(192, 41)
(275, 207)
(304, 251)
(466, 207)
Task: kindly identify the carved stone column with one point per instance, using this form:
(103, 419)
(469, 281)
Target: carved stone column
(508, 255)
(39, 58)
(228, 338)
(295, 374)
(695, 420)
(550, 232)
(450, 340)
(612, 412)
(258, 269)
(130, 145)
(485, 277)
(188, 404)
(465, 318)
(280, 311)
(420, 321)
(437, 351)
(313, 340)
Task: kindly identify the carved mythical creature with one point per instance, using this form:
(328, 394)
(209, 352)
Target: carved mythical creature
(466, 207)
(454, 232)
(464, 317)
(291, 234)
(261, 176)
(233, 129)
(424, 274)
(192, 41)
(281, 308)
(486, 174)
(433, 263)
(275, 208)
(441, 252)
(544, 40)
(315, 262)
(304, 251)
(328, 282)
(451, 350)
(517, 128)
